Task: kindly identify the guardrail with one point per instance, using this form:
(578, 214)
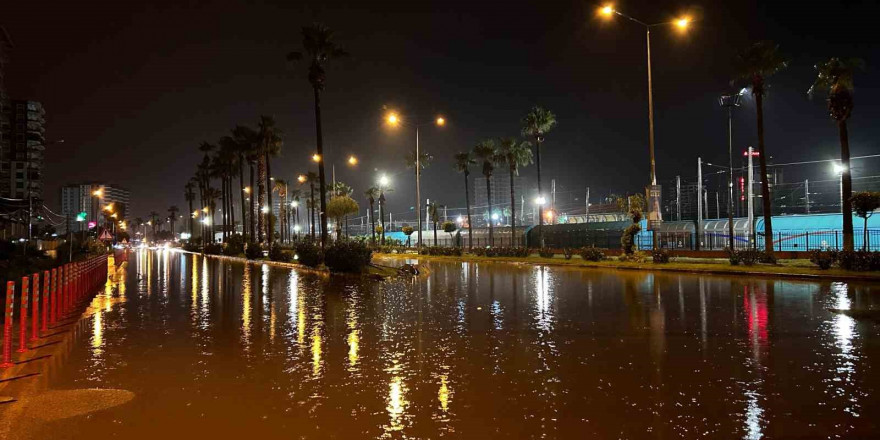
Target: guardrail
(63, 290)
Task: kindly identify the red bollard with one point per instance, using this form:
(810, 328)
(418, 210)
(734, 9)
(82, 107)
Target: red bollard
(22, 317)
(7, 326)
(46, 281)
(35, 307)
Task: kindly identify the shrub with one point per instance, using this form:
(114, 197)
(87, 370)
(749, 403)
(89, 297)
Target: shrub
(407, 230)
(568, 253)
(767, 258)
(627, 240)
(347, 256)
(733, 256)
(545, 253)
(660, 256)
(234, 245)
(479, 251)
(278, 253)
(635, 257)
(440, 250)
(309, 254)
(253, 251)
(592, 254)
(823, 259)
(519, 252)
(859, 260)
(213, 249)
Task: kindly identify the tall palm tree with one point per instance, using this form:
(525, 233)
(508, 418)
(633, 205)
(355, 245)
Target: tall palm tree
(311, 178)
(295, 196)
(535, 125)
(433, 212)
(154, 222)
(190, 197)
(245, 139)
(281, 188)
(514, 154)
(270, 145)
(463, 163)
(211, 196)
(318, 49)
(172, 215)
(487, 152)
(835, 78)
(754, 65)
(372, 194)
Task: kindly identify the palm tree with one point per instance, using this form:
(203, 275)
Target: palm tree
(172, 215)
(319, 48)
(245, 139)
(372, 194)
(190, 197)
(835, 77)
(295, 195)
(487, 152)
(463, 162)
(537, 123)
(514, 154)
(754, 65)
(281, 188)
(211, 196)
(311, 178)
(270, 145)
(434, 214)
(154, 221)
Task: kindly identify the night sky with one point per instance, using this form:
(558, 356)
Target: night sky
(134, 88)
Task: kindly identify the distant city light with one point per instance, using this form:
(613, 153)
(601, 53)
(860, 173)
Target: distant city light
(460, 219)
(392, 118)
(185, 235)
(838, 168)
(352, 160)
(301, 178)
(294, 204)
(316, 157)
(264, 209)
(383, 180)
(206, 220)
(495, 216)
(441, 121)
(296, 228)
(683, 22)
(540, 200)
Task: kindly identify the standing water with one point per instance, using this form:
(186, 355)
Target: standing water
(216, 349)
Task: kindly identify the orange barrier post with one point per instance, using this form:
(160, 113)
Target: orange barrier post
(53, 300)
(22, 316)
(7, 326)
(46, 281)
(35, 307)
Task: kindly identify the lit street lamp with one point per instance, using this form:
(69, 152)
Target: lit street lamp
(395, 119)
(729, 101)
(682, 24)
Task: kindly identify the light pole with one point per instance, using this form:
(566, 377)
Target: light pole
(395, 119)
(682, 23)
(729, 101)
(383, 185)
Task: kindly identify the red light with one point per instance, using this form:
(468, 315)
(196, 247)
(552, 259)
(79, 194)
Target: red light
(742, 189)
(754, 153)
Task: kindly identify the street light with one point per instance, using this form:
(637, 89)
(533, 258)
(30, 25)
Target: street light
(352, 160)
(301, 178)
(682, 23)
(316, 158)
(729, 101)
(394, 119)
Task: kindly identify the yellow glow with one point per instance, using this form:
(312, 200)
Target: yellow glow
(195, 214)
(352, 160)
(316, 158)
(301, 178)
(247, 190)
(607, 10)
(316, 350)
(246, 308)
(397, 402)
(97, 333)
(392, 118)
(205, 210)
(441, 121)
(444, 394)
(683, 22)
(98, 193)
(108, 208)
(113, 216)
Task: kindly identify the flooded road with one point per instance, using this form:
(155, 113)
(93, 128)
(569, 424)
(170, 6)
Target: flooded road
(215, 349)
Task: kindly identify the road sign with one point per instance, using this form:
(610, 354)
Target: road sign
(81, 217)
(105, 236)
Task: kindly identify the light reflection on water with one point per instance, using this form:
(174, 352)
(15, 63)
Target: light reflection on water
(474, 351)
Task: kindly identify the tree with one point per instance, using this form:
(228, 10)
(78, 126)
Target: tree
(537, 123)
(835, 78)
(433, 212)
(372, 194)
(864, 204)
(245, 140)
(211, 196)
(514, 154)
(408, 231)
(280, 187)
(270, 145)
(487, 152)
(319, 48)
(154, 221)
(754, 65)
(635, 205)
(338, 208)
(172, 215)
(463, 163)
(449, 228)
(190, 197)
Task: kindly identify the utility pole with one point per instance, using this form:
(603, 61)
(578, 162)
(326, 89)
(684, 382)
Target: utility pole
(750, 206)
(699, 228)
(706, 202)
(807, 195)
(717, 206)
(678, 198)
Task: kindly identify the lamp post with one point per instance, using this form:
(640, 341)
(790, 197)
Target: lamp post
(682, 23)
(730, 101)
(395, 119)
(383, 184)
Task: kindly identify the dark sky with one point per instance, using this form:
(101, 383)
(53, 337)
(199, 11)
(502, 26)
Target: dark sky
(133, 88)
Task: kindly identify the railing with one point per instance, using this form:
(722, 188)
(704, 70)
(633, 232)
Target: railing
(63, 290)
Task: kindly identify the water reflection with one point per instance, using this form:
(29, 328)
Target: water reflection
(475, 351)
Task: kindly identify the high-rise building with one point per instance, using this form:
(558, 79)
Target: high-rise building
(92, 198)
(21, 158)
(5, 46)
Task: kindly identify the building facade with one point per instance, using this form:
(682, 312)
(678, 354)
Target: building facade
(82, 197)
(21, 158)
